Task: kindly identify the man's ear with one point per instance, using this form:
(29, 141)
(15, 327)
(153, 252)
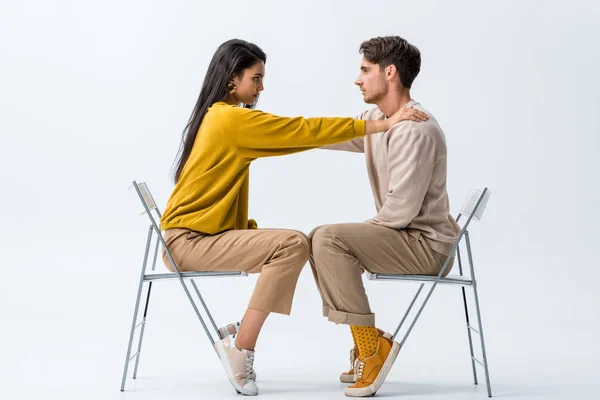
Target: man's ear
(390, 71)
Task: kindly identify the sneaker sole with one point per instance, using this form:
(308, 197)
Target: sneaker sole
(385, 369)
(225, 362)
(347, 378)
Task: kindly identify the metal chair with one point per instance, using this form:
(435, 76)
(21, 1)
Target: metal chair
(151, 276)
(472, 209)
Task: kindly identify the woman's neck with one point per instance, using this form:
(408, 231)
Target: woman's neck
(231, 100)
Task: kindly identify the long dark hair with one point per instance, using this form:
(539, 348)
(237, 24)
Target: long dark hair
(230, 59)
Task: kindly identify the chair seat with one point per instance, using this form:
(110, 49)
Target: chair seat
(448, 280)
(192, 275)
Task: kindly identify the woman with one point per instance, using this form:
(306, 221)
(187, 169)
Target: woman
(206, 219)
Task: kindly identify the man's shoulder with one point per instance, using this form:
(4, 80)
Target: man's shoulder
(410, 131)
(430, 128)
(372, 114)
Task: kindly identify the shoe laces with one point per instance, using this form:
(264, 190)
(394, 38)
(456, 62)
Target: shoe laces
(359, 367)
(249, 364)
(352, 356)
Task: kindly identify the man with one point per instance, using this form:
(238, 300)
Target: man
(412, 232)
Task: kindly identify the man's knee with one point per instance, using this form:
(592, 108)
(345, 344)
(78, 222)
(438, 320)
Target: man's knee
(313, 232)
(315, 240)
(324, 238)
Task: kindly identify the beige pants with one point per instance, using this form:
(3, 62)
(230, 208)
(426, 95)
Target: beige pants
(338, 252)
(279, 256)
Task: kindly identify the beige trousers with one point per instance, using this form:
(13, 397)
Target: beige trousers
(339, 252)
(278, 255)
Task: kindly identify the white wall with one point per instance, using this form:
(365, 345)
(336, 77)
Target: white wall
(95, 94)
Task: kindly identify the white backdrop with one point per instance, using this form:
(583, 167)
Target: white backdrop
(95, 94)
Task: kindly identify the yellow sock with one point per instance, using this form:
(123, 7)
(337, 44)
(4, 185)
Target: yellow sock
(355, 343)
(365, 338)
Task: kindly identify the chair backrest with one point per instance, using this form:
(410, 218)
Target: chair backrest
(146, 199)
(472, 209)
(475, 203)
(149, 206)
(146, 196)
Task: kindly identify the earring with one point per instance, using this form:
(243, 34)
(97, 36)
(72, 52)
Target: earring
(231, 87)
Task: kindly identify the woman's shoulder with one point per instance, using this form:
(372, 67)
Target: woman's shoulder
(222, 117)
(218, 113)
(222, 107)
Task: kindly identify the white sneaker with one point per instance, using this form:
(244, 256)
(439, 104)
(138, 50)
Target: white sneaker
(229, 330)
(232, 330)
(238, 365)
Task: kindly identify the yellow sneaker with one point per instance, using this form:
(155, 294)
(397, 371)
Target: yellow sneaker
(372, 371)
(349, 376)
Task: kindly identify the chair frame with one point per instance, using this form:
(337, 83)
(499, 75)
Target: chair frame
(473, 208)
(150, 277)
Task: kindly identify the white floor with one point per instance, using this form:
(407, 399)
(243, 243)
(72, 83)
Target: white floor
(66, 349)
(81, 381)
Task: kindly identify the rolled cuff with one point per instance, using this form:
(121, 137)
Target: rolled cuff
(341, 317)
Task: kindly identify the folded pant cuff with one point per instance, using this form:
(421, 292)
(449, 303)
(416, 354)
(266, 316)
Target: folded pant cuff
(341, 317)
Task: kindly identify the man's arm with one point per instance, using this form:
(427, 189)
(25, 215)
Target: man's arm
(412, 156)
(356, 145)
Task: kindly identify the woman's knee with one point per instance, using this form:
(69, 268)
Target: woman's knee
(298, 244)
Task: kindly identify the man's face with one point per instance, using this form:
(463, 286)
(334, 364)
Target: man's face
(372, 82)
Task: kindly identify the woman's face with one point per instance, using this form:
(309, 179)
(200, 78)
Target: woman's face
(249, 84)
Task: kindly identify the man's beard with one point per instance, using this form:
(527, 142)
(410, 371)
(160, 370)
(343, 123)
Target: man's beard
(373, 98)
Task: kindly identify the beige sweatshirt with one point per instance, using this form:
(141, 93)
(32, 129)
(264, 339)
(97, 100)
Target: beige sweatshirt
(407, 171)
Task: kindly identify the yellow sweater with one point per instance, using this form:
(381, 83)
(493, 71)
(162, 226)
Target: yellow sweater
(211, 195)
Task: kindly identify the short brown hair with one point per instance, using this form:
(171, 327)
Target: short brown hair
(388, 50)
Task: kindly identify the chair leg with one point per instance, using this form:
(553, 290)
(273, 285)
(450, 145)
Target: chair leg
(478, 310)
(127, 357)
(414, 321)
(135, 311)
(139, 350)
(212, 321)
(408, 311)
(188, 294)
(193, 304)
(470, 337)
(464, 296)
(485, 361)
